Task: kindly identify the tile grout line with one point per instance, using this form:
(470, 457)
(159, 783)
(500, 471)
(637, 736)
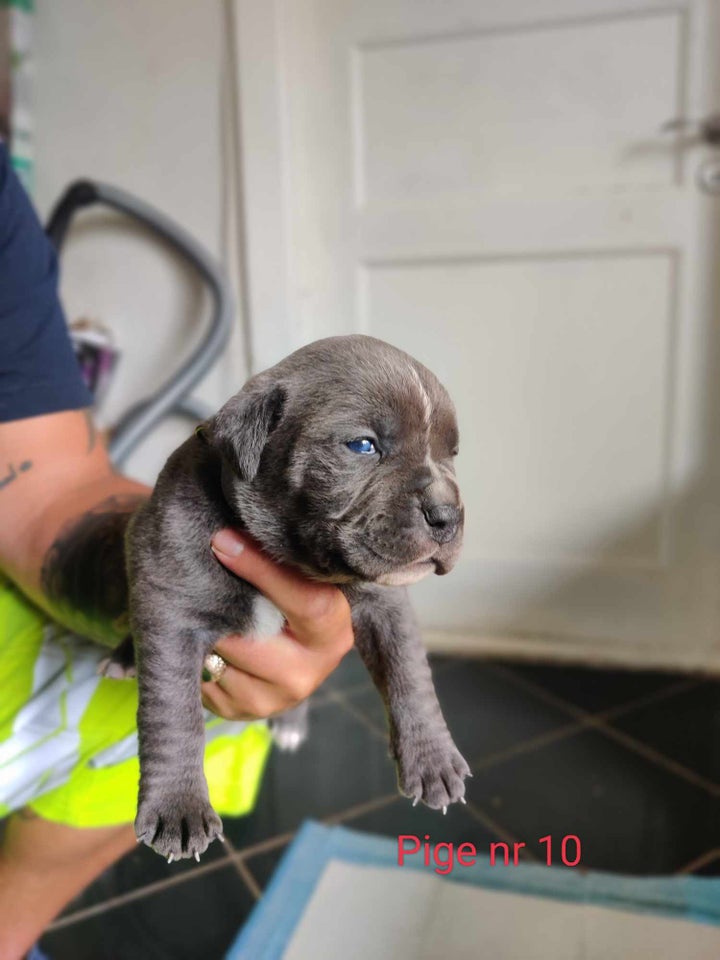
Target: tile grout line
(584, 720)
(231, 858)
(604, 725)
(138, 893)
(262, 846)
(580, 722)
(538, 691)
(525, 746)
(350, 708)
(648, 700)
(368, 806)
(241, 857)
(248, 878)
(659, 759)
(598, 722)
(700, 861)
(657, 696)
(241, 869)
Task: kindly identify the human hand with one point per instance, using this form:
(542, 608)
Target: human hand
(265, 677)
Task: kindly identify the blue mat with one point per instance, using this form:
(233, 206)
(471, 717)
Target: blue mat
(272, 923)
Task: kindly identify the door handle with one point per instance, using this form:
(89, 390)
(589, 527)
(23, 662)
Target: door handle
(707, 130)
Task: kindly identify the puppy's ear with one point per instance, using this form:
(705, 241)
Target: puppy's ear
(240, 429)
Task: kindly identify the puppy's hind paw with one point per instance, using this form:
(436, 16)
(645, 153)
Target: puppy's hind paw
(115, 671)
(287, 740)
(120, 665)
(290, 729)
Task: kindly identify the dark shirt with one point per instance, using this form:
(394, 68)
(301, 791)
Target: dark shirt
(38, 370)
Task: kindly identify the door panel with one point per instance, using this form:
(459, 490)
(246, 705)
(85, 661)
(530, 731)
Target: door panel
(485, 184)
(516, 107)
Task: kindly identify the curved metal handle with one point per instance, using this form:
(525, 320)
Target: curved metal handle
(707, 130)
(142, 417)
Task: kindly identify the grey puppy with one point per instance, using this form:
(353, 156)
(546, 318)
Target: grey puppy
(338, 461)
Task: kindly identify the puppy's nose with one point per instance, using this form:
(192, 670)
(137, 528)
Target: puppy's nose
(443, 520)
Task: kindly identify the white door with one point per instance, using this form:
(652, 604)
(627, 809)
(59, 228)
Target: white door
(485, 184)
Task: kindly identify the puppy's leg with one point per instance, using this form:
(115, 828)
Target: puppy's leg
(430, 767)
(290, 729)
(174, 813)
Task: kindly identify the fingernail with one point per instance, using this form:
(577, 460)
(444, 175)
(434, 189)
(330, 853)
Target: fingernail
(228, 542)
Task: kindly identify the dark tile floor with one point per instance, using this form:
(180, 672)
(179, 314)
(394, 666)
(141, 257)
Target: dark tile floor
(629, 763)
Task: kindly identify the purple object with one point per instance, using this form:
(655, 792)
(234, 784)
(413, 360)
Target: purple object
(96, 355)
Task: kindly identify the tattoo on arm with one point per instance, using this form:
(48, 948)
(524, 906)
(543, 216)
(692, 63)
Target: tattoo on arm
(84, 571)
(13, 471)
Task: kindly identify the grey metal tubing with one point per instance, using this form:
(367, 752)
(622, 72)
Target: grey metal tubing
(189, 407)
(192, 408)
(137, 422)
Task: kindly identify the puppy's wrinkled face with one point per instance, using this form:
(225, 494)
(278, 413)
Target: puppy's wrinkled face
(353, 478)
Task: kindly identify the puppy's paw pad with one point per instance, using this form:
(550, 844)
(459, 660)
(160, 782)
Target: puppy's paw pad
(178, 830)
(434, 774)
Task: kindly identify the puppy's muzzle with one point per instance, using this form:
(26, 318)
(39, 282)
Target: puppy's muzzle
(443, 521)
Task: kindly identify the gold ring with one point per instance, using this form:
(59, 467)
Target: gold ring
(215, 666)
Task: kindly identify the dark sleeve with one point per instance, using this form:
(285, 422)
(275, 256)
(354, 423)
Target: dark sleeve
(38, 370)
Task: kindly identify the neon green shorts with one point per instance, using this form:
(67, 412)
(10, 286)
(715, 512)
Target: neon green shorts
(68, 740)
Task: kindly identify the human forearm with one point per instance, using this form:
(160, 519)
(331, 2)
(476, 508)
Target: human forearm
(82, 581)
(63, 522)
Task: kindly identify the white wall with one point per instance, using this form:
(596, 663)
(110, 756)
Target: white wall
(130, 93)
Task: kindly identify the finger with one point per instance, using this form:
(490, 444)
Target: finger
(218, 702)
(285, 661)
(280, 661)
(237, 696)
(315, 611)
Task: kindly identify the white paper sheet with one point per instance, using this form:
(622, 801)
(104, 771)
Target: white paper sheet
(370, 913)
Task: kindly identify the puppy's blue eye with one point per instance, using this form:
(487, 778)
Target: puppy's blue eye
(361, 445)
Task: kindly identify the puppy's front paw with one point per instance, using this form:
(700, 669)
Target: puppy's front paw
(433, 771)
(177, 827)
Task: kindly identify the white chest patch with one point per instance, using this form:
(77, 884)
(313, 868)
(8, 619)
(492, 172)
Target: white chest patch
(267, 619)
